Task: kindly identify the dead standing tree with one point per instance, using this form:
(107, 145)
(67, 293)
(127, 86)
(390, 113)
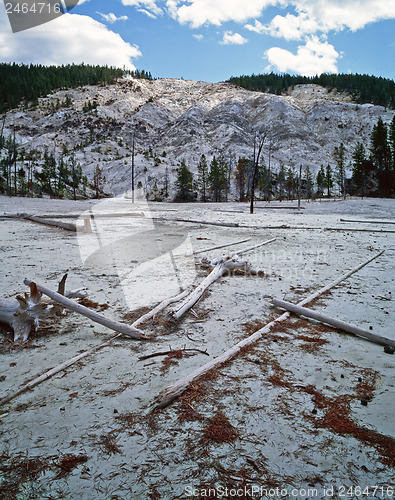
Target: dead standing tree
(256, 167)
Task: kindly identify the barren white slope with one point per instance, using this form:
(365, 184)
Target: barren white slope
(186, 119)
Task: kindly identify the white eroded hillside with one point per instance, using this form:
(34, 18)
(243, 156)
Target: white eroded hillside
(175, 119)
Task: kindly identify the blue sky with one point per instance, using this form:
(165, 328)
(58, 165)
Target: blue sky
(212, 40)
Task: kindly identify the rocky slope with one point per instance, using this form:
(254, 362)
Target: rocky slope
(175, 119)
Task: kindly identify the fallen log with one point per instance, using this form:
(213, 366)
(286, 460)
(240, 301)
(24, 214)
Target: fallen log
(130, 331)
(53, 371)
(337, 323)
(159, 308)
(23, 313)
(175, 390)
(221, 266)
(219, 246)
(204, 222)
(62, 225)
(369, 221)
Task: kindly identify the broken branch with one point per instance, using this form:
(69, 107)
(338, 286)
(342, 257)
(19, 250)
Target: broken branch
(130, 331)
(337, 323)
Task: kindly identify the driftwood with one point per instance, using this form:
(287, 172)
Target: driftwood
(220, 267)
(220, 246)
(204, 222)
(40, 220)
(369, 221)
(130, 331)
(337, 323)
(175, 390)
(53, 371)
(159, 307)
(23, 313)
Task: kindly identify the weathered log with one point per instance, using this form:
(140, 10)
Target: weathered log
(337, 323)
(175, 390)
(221, 266)
(195, 295)
(219, 246)
(130, 331)
(203, 222)
(53, 371)
(368, 221)
(62, 225)
(159, 308)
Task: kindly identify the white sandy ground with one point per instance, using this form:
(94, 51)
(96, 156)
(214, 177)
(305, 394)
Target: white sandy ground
(278, 443)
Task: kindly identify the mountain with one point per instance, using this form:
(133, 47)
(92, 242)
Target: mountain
(176, 119)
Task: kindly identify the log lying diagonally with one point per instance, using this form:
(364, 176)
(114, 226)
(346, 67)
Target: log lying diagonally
(130, 331)
(337, 323)
(24, 313)
(220, 267)
(66, 364)
(175, 390)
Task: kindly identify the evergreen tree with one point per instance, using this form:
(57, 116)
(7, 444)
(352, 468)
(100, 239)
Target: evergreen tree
(240, 178)
(328, 179)
(320, 180)
(281, 180)
(202, 180)
(308, 182)
(381, 157)
(217, 178)
(339, 155)
(184, 183)
(359, 168)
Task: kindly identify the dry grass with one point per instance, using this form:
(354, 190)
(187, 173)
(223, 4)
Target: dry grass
(219, 430)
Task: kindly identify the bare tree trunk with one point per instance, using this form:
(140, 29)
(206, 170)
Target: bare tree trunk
(337, 323)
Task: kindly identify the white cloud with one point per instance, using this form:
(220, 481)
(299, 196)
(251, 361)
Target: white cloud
(323, 16)
(313, 58)
(111, 18)
(70, 38)
(198, 37)
(311, 15)
(291, 27)
(148, 13)
(230, 38)
(145, 6)
(200, 12)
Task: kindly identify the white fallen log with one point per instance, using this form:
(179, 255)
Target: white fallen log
(53, 371)
(220, 266)
(337, 323)
(219, 246)
(248, 249)
(62, 225)
(130, 331)
(193, 221)
(224, 266)
(368, 221)
(175, 390)
(160, 307)
(66, 364)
